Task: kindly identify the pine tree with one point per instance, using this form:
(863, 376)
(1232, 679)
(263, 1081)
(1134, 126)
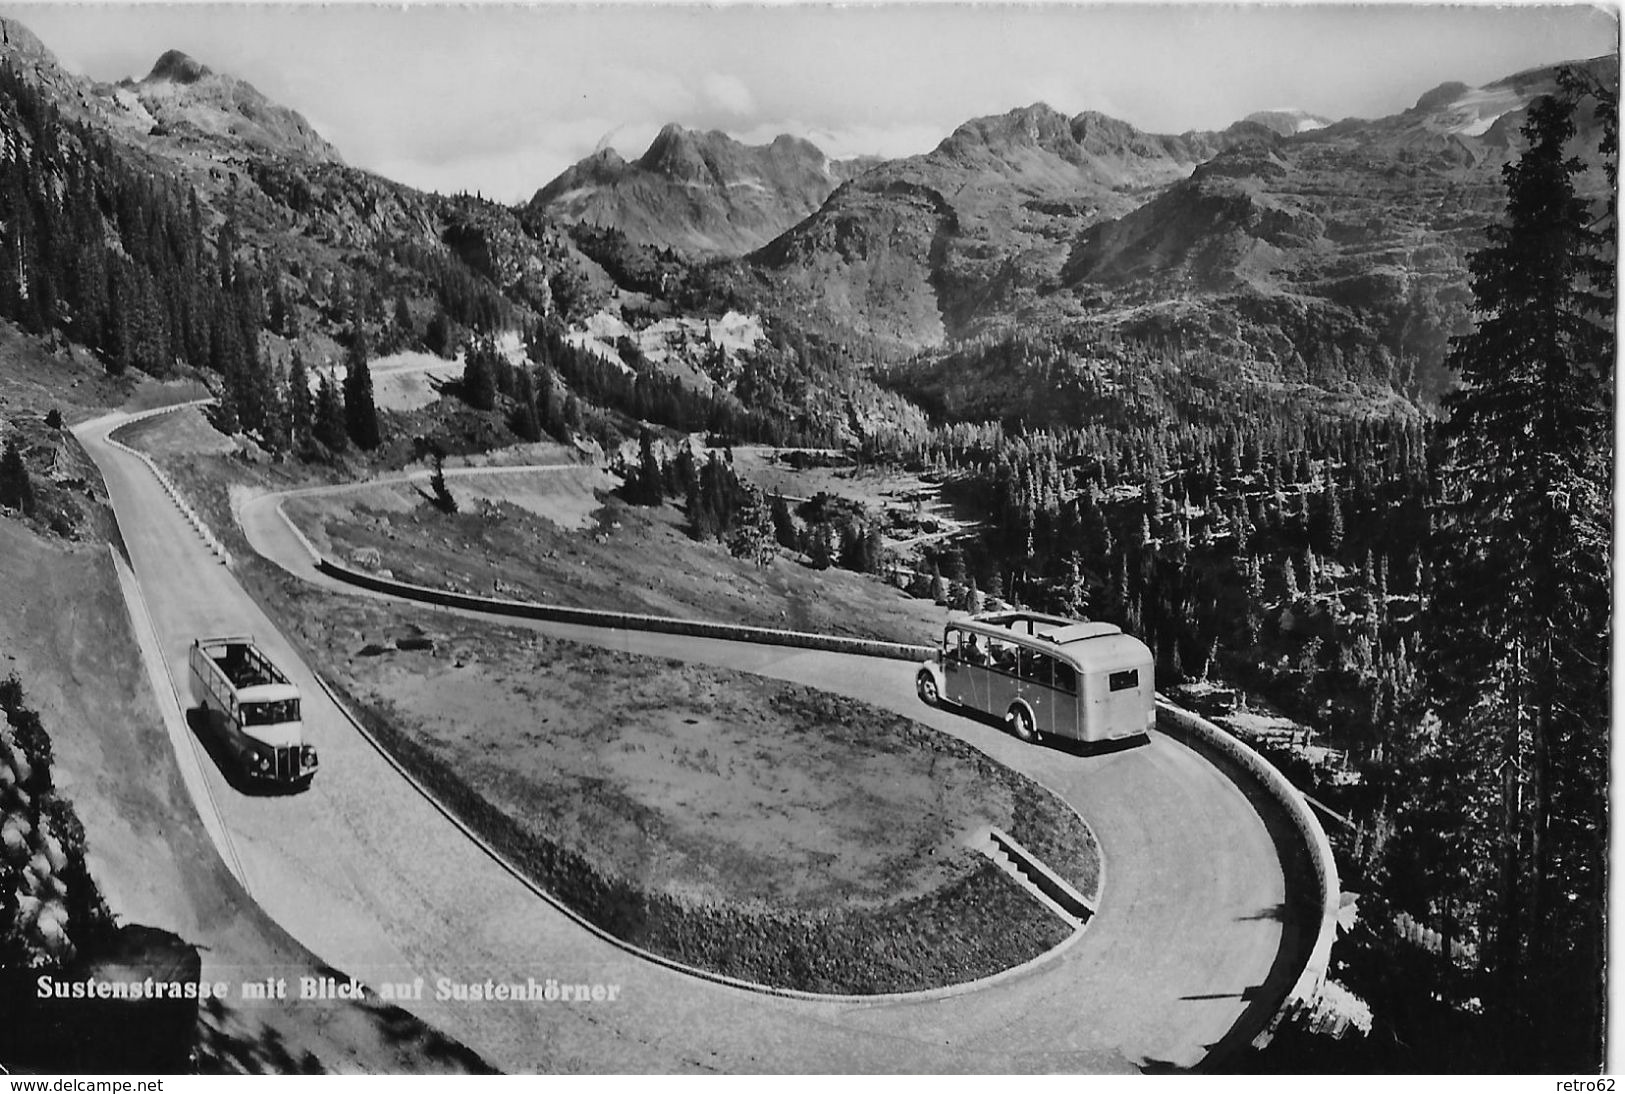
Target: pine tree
(438, 337)
(16, 491)
(301, 411)
(784, 523)
(525, 421)
(443, 499)
(646, 485)
(479, 388)
(1073, 595)
(751, 536)
(405, 332)
(327, 424)
(820, 548)
(1518, 641)
(360, 413)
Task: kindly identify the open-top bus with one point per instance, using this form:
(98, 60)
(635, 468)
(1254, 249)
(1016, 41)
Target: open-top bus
(253, 709)
(1044, 675)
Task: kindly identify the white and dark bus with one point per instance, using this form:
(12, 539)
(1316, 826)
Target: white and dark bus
(252, 708)
(1045, 676)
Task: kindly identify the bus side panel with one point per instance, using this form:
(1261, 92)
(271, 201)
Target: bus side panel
(1002, 689)
(1066, 714)
(204, 689)
(957, 682)
(1091, 706)
(208, 691)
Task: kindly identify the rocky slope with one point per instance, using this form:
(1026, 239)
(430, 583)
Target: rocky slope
(697, 193)
(922, 249)
(342, 243)
(1326, 252)
(188, 101)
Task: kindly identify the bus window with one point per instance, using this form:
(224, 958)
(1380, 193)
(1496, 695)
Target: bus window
(1125, 680)
(270, 714)
(1035, 666)
(1066, 678)
(1004, 655)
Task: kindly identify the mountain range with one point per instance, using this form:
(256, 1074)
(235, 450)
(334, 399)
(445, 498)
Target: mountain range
(1287, 240)
(699, 193)
(1301, 249)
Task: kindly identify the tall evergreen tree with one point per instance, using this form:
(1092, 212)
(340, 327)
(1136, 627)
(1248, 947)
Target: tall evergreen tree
(16, 490)
(525, 421)
(1518, 649)
(300, 409)
(360, 412)
(327, 424)
(784, 523)
(479, 387)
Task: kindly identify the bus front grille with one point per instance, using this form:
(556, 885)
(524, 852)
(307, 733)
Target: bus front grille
(287, 763)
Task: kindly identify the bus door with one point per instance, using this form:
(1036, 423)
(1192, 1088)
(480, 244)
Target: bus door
(1064, 710)
(958, 667)
(1035, 686)
(1001, 681)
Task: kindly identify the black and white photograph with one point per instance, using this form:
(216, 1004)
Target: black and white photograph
(805, 539)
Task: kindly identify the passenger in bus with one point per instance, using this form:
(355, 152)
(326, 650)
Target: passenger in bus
(975, 653)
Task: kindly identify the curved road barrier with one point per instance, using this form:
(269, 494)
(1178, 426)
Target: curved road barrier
(593, 617)
(1318, 847)
(215, 546)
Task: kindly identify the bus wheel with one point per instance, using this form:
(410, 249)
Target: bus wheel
(926, 685)
(1021, 723)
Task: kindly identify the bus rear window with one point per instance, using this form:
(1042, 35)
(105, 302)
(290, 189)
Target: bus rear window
(270, 714)
(1123, 681)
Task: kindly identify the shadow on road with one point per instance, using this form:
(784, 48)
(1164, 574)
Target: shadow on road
(1277, 912)
(1058, 744)
(1299, 915)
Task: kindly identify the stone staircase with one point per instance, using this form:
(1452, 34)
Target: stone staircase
(1028, 871)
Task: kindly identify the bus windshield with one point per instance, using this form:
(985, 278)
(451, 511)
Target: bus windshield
(270, 714)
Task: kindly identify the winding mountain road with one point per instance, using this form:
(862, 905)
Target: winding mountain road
(1190, 948)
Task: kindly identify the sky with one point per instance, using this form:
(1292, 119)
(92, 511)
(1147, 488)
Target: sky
(499, 98)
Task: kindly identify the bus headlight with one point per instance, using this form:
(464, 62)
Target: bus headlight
(307, 756)
(262, 761)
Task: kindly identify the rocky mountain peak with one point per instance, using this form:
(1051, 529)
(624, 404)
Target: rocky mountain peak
(1039, 125)
(177, 68)
(700, 192)
(679, 153)
(1443, 95)
(18, 39)
(1288, 120)
(187, 99)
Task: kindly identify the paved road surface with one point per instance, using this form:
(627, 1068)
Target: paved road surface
(372, 878)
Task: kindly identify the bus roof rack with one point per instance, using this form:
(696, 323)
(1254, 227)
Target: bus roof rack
(1079, 632)
(225, 640)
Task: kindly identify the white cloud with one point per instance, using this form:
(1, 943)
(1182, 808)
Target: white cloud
(859, 139)
(728, 94)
